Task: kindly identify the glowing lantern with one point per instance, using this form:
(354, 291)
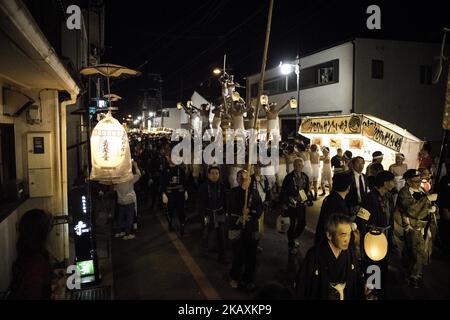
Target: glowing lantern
(264, 100)
(110, 151)
(375, 244)
(293, 103)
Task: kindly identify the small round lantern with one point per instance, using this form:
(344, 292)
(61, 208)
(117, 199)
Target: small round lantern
(375, 244)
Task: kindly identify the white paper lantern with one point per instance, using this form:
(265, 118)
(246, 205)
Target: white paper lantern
(110, 151)
(375, 245)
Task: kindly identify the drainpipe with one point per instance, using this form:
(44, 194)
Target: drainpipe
(63, 151)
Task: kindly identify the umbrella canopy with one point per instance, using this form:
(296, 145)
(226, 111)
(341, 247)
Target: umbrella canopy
(112, 97)
(109, 70)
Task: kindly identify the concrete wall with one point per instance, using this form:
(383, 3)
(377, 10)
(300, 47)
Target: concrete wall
(399, 97)
(8, 235)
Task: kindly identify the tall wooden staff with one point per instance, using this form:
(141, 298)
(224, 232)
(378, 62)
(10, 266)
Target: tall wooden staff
(260, 91)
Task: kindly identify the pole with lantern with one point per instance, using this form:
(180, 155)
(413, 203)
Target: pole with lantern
(260, 91)
(110, 159)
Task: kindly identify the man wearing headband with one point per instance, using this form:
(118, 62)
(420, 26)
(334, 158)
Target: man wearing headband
(377, 157)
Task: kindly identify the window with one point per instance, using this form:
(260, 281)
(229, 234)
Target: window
(274, 86)
(325, 75)
(377, 69)
(425, 74)
(318, 75)
(165, 113)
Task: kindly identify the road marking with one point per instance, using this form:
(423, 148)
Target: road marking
(201, 279)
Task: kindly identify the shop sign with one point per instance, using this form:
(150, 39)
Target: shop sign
(381, 134)
(334, 125)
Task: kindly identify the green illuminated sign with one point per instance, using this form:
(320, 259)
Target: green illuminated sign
(86, 267)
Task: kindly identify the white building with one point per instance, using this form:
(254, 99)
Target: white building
(388, 79)
(173, 118)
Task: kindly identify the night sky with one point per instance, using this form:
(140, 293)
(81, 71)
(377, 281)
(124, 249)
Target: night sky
(184, 41)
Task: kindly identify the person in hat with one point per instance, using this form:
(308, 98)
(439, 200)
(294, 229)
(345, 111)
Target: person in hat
(413, 214)
(377, 157)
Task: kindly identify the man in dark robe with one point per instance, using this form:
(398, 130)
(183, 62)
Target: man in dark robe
(330, 270)
(333, 203)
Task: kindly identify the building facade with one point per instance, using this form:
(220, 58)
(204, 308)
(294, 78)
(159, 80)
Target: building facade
(40, 139)
(391, 80)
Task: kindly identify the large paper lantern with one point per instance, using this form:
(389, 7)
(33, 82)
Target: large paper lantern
(375, 244)
(110, 151)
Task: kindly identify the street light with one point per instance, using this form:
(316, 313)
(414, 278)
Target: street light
(217, 71)
(286, 68)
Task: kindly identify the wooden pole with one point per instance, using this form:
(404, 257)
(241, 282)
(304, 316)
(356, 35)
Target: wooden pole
(260, 91)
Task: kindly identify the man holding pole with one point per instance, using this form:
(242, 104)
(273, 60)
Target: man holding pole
(293, 197)
(244, 231)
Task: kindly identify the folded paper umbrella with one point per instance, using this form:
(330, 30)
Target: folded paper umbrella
(112, 97)
(108, 71)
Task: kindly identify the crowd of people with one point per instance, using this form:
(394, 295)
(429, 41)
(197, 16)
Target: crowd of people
(399, 202)
(398, 199)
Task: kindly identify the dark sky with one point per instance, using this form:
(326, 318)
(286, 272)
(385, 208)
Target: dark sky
(184, 40)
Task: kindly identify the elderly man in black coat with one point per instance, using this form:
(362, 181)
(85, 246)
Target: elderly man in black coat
(330, 270)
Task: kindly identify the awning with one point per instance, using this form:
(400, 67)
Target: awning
(26, 57)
